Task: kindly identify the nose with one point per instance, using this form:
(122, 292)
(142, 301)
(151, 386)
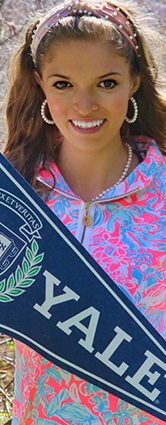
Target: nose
(85, 103)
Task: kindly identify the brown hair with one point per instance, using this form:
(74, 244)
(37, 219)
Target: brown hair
(30, 138)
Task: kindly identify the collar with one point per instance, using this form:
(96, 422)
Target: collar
(140, 178)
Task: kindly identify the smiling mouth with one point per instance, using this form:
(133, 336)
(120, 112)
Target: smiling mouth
(88, 124)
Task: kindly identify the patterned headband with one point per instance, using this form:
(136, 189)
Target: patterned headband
(107, 11)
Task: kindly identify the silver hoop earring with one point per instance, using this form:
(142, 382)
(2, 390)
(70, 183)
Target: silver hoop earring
(135, 106)
(43, 105)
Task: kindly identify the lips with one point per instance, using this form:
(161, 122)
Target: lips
(87, 124)
(87, 127)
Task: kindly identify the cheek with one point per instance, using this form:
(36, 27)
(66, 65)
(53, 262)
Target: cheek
(118, 110)
(56, 106)
(117, 103)
(121, 104)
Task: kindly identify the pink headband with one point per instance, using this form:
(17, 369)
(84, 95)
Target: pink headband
(105, 10)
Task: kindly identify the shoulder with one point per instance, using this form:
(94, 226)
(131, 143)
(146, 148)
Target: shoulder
(152, 169)
(158, 168)
(148, 149)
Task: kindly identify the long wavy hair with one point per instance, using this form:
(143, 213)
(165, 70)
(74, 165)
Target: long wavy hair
(29, 138)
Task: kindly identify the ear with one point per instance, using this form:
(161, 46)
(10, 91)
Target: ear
(135, 84)
(38, 79)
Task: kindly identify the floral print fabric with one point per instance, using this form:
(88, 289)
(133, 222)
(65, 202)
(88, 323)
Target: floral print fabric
(128, 239)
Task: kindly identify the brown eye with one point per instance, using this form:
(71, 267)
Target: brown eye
(108, 84)
(61, 85)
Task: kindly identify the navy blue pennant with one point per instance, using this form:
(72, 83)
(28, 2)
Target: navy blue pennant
(55, 298)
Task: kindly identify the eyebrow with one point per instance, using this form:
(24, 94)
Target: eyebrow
(98, 78)
(109, 74)
(59, 76)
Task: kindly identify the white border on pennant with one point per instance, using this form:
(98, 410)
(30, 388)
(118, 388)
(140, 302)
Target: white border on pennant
(102, 281)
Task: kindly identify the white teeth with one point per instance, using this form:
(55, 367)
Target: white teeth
(83, 124)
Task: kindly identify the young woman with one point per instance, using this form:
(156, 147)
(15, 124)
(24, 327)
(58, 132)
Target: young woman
(86, 128)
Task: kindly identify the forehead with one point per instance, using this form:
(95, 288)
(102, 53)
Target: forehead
(83, 57)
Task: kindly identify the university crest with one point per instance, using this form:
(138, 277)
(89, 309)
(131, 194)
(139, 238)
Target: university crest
(20, 260)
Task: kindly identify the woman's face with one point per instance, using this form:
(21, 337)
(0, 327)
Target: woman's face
(87, 86)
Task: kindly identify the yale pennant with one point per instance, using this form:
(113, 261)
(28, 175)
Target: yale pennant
(55, 298)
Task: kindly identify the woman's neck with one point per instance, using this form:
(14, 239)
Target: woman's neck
(89, 173)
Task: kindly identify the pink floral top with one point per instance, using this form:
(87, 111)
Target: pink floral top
(128, 239)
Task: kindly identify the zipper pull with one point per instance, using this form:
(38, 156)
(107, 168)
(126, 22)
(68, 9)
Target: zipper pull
(87, 219)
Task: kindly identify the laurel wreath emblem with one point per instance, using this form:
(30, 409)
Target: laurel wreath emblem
(23, 277)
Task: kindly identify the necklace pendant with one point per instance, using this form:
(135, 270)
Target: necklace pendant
(87, 220)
